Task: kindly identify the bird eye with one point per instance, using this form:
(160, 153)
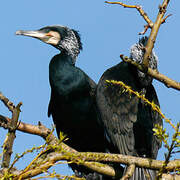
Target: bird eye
(49, 34)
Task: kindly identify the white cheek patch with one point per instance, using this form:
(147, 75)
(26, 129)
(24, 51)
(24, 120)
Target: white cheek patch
(54, 38)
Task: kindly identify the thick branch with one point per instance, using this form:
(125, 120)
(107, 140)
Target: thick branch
(154, 32)
(147, 163)
(8, 144)
(119, 158)
(81, 158)
(42, 131)
(39, 129)
(129, 172)
(54, 157)
(78, 157)
(155, 74)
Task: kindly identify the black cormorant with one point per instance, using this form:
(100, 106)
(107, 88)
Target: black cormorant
(128, 121)
(72, 104)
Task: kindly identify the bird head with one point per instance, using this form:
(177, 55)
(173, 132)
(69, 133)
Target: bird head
(61, 37)
(137, 53)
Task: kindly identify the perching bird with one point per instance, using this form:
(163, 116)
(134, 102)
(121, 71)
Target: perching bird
(72, 104)
(128, 120)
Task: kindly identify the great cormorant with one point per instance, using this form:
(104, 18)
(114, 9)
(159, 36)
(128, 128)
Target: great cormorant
(72, 104)
(127, 120)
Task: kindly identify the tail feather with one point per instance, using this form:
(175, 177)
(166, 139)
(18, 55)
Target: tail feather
(142, 174)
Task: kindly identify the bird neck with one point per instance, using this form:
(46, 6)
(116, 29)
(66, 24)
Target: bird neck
(137, 54)
(143, 79)
(59, 69)
(70, 46)
(70, 56)
(62, 59)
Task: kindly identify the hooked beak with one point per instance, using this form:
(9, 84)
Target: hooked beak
(50, 38)
(35, 34)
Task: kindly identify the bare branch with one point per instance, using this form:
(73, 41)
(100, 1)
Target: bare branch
(78, 157)
(39, 129)
(170, 177)
(154, 32)
(104, 169)
(154, 26)
(155, 74)
(129, 172)
(140, 10)
(8, 144)
(44, 132)
(84, 159)
(146, 27)
(164, 20)
(6, 102)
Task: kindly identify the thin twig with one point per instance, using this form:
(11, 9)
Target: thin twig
(139, 8)
(170, 149)
(146, 27)
(164, 20)
(6, 102)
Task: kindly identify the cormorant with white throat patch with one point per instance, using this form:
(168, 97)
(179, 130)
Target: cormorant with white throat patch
(72, 104)
(128, 121)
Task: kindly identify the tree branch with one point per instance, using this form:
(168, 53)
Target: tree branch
(153, 34)
(154, 73)
(118, 158)
(124, 159)
(8, 144)
(130, 171)
(73, 156)
(139, 9)
(6, 102)
(44, 132)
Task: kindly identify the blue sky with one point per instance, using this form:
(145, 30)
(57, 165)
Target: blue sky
(106, 32)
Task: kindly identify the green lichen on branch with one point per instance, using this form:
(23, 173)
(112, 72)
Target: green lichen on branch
(158, 130)
(174, 144)
(19, 156)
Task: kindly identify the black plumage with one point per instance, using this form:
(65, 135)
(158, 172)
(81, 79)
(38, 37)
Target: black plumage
(72, 104)
(127, 120)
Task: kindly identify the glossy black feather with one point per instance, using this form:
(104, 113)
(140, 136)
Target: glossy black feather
(127, 120)
(72, 105)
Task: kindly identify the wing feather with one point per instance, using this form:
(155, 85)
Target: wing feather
(119, 113)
